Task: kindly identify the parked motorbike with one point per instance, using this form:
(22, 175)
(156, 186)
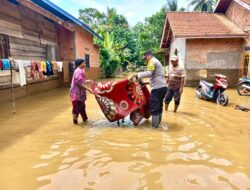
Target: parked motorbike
(243, 87)
(214, 92)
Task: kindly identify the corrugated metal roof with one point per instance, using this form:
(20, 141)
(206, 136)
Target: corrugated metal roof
(57, 11)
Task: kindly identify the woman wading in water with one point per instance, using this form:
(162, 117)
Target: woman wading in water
(78, 91)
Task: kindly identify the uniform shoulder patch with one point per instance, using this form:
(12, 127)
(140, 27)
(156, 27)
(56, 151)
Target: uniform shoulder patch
(151, 65)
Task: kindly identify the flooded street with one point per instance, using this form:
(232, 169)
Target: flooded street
(203, 146)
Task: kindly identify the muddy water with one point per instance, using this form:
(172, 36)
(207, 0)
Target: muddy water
(203, 146)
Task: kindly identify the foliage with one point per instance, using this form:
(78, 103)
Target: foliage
(172, 5)
(109, 57)
(123, 45)
(118, 45)
(149, 33)
(92, 17)
(203, 5)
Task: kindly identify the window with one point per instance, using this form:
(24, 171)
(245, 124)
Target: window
(4, 47)
(52, 52)
(246, 65)
(87, 60)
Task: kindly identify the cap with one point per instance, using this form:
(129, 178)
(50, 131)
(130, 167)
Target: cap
(174, 58)
(148, 52)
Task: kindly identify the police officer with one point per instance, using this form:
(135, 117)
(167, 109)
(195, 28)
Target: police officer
(155, 72)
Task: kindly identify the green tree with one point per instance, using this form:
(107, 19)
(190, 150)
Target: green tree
(119, 44)
(109, 56)
(203, 5)
(92, 17)
(172, 5)
(149, 33)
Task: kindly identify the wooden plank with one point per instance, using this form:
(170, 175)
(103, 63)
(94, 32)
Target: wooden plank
(27, 11)
(27, 48)
(49, 42)
(45, 13)
(26, 42)
(10, 32)
(31, 38)
(26, 53)
(31, 32)
(51, 35)
(29, 58)
(10, 19)
(9, 25)
(49, 29)
(10, 9)
(46, 23)
(29, 25)
(45, 39)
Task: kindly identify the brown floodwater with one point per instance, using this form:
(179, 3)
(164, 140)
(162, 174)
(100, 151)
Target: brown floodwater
(203, 146)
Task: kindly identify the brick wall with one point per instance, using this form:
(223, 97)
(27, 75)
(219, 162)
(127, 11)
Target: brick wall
(197, 49)
(84, 45)
(223, 56)
(66, 42)
(73, 45)
(240, 16)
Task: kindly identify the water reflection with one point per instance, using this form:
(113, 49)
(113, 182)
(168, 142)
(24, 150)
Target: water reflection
(204, 146)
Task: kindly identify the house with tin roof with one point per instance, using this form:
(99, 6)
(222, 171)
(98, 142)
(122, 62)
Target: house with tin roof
(39, 30)
(210, 43)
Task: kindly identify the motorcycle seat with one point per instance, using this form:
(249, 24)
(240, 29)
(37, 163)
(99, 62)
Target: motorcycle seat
(208, 83)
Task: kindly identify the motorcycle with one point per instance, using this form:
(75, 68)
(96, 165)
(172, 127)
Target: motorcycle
(243, 87)
(214, 92)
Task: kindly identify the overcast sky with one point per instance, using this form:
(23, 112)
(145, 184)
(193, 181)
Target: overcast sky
(133, 10)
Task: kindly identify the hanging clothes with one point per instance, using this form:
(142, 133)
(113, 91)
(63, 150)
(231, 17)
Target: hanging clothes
(39, 69)
(54, 64)
(15, 66)
(49, 68)
(36, 67)
(19, 77)
(59, 66)
(1, 65)
(43, 67)
(26, 63)
(33, 70)
(72, 67)
(6, 64)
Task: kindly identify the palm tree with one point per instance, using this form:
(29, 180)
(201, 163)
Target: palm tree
(203, 5)
(172, 5)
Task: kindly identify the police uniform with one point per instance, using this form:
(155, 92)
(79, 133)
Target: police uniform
(155, 72)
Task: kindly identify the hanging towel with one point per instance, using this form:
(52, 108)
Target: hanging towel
(39, 69)
(33, 69)
(26, 63)
(15, 66)
(49, 68)
(20, 77)
(6, 64)
(72, 67)
(43, 67)
(54, 64)
(1, 65)
(59, 65)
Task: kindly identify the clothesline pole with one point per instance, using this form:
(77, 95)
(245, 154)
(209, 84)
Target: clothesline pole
(12, 87)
